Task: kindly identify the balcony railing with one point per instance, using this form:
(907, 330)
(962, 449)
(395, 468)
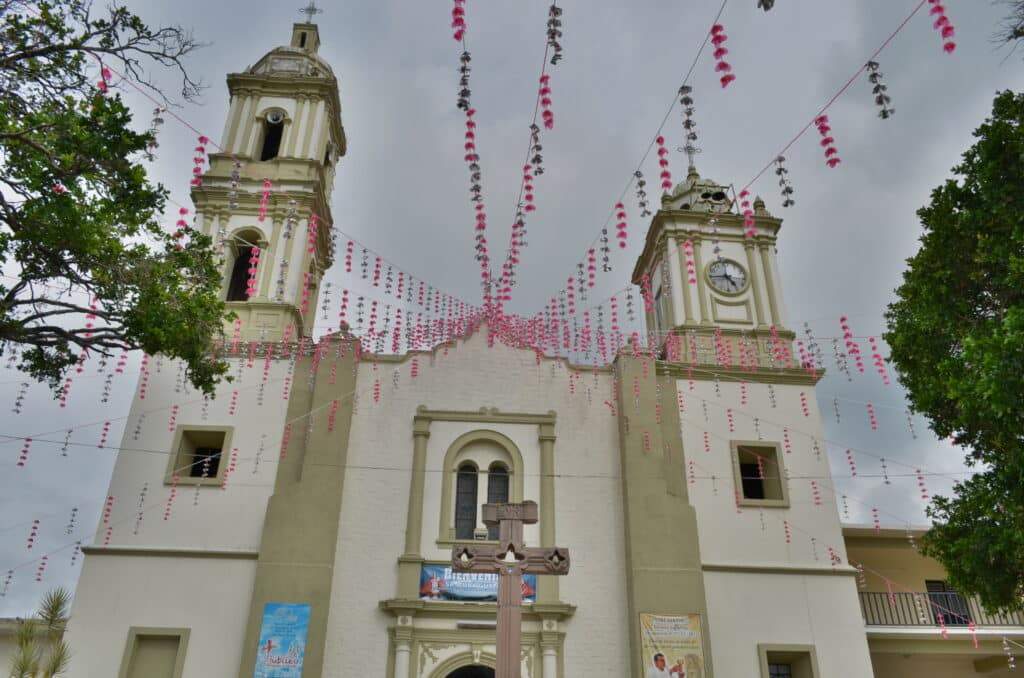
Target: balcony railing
(923, 609)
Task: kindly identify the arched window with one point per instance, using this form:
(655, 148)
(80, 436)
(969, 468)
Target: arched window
(239, 281)
(465, 501)
(273, 131)
(497, 490)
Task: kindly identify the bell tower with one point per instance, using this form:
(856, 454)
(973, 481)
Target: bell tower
(269, 187)
(709, 284)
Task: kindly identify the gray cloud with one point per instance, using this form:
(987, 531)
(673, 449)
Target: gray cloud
(402, 189)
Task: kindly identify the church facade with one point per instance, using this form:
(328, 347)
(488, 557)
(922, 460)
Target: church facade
(307, 515)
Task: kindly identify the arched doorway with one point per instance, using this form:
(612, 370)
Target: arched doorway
(472, 672)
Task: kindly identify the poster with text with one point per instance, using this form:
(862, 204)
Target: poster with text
(441, 582)
(282, 640)
(671, 646)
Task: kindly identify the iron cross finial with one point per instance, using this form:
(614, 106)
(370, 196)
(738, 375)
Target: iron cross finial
(310, 10)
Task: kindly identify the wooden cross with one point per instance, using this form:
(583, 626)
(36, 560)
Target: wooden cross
(510, 559)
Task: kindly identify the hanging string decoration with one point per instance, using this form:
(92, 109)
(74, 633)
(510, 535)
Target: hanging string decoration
(254, 266)
(943, 25)
(879, 362)
(264, 200)
(879, 89)
(198, 160)
(544, 93)
(718, 39)
(827, 141)
(691, 264)
(555, 33)
(689, 124)
(154, 127)
(462, 103)
(23, 455)
(749, 225)
(459, 20)
(103, 85)
(236, 178)
(641, 194)
(785, 187)
(620, 225)
(32, 534)
(666, 175)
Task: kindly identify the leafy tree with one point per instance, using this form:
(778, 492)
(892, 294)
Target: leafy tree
(40, 650)
(87, 267)
(957, 339)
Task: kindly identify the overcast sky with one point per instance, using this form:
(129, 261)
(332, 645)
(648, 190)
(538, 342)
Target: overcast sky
(402, 188)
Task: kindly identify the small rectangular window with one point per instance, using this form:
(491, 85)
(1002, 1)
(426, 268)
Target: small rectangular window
(197, 457)
(302, 39)
(788, 661)
(154, 653)
(759, 473)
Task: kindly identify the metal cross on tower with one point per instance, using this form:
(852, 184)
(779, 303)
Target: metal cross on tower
(510, 559)
(310, 10)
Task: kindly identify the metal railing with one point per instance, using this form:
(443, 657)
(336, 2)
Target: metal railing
(923, 609)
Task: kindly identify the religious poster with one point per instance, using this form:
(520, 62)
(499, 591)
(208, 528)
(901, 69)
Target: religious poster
(441, 582)
(282, 640)
(671, 646)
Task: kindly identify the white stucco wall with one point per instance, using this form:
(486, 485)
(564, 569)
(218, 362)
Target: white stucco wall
(730, 537)
(374, 506)
(209, 596)
(229, 518)
(750, 607)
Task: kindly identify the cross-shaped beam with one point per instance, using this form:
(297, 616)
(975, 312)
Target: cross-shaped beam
(510, 559)
(310, 10)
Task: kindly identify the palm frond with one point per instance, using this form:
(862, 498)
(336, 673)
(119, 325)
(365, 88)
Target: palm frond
(57, 660)
(53, 610)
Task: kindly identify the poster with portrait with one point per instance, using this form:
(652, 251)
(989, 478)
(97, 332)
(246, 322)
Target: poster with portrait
(282, 640)
(671, 646)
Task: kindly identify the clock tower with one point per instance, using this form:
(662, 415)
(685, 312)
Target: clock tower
(706, 278)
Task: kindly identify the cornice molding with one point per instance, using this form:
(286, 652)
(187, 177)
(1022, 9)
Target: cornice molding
(741, 568)
(472, 610)
(707, 372)
(485, 415)
(158, 552)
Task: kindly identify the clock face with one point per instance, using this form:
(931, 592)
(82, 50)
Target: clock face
(727, 276)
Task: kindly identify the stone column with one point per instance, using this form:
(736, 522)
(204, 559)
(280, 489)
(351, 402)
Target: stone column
(550, 662)
(411, 561)
(548, 586)
(402, 652)
(755, 282)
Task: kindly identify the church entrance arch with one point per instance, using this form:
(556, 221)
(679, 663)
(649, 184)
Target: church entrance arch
(472, 672)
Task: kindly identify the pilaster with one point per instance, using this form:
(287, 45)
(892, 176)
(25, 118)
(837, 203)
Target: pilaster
(662, 549)
(411, 561)
(299, 541)
(547, 586)
(755, 283)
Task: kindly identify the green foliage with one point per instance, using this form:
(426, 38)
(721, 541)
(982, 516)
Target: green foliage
(957, 339)
(79, 218)
(40, 651)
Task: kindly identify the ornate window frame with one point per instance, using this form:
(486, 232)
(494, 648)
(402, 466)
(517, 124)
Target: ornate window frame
(446, 527)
